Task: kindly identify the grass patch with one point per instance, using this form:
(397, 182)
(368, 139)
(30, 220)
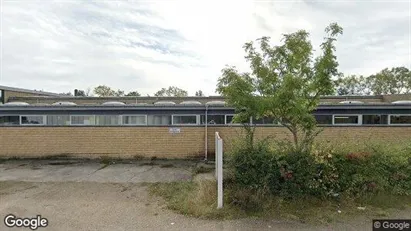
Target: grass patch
(150, 163)
(202, 169)
(166, 165)
(198, 199)
(138, 157)
(105, 165)
(105, 160)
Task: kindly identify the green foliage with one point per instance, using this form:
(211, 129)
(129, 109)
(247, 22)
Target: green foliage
(194, 198)
(285, 82)
(323, 173)
(171, 91)
(199, 93)
(133, 93)
(352, 85)
(83, 92)
(105, 91)
(396, 80)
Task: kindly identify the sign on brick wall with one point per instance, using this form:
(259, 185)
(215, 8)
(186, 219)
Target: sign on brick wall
(174, 130)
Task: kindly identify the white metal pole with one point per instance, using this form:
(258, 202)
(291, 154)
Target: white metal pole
(220, 174)
(206, 133)
(216, 154)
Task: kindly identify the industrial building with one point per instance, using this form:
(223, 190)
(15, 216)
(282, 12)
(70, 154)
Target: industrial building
(35, 123)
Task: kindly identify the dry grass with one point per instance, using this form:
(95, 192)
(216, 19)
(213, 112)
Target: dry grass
(199, 200)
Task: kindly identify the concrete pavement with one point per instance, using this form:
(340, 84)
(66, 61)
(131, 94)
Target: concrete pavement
(93, 171)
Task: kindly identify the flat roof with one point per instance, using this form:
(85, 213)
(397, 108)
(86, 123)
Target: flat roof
(187, 107)
(119, 98)
(29, 91)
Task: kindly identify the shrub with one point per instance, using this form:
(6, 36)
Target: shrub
(252, 165)
(324, 172)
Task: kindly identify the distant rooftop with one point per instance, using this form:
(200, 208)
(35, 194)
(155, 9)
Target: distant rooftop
(45, 93)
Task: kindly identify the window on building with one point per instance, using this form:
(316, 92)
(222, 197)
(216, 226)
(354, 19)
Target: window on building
(83, 120)
(265, 120)
(213, 119)
(159, 120)
(324, 119)
(58, 120)
(400, 119)
(32, 120)
(346, 119)
(9, 120)
(107, 120)
(229, 120)
(134, 119)
(375, 119)
(184, 119)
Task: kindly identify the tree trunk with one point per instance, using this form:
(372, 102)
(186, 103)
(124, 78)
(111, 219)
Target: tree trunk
(295, 136)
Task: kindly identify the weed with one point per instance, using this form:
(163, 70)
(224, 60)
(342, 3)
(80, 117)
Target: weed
(198, 199)
(138, 157)
(166, 165)
(202, 169)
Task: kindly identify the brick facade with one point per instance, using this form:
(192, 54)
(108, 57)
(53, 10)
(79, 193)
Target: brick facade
(129, 142)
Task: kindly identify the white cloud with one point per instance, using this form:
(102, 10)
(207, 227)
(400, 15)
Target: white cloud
(146, 45)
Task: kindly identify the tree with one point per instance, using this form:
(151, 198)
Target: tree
(119, 93)
(81, 93)
(171, 91)
(396, 80)
(105, 91)
(133, 93)
(66, 94)
(352, 85)
(199, 93)
(285, 83)
(88, 92)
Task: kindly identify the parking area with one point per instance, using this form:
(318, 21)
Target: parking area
(95, 171)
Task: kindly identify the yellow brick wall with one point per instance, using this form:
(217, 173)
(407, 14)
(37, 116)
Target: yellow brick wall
(82, 101)
(98, 141)
(96, 100)
(157, 141)
(392, 98)
(20, 95)
(334, 135)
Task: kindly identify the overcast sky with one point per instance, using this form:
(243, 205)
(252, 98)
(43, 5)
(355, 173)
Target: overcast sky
(146, 45)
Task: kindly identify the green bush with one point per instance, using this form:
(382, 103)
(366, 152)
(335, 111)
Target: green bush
(323, 173)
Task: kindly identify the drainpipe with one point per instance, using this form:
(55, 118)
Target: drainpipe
(206, 133)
